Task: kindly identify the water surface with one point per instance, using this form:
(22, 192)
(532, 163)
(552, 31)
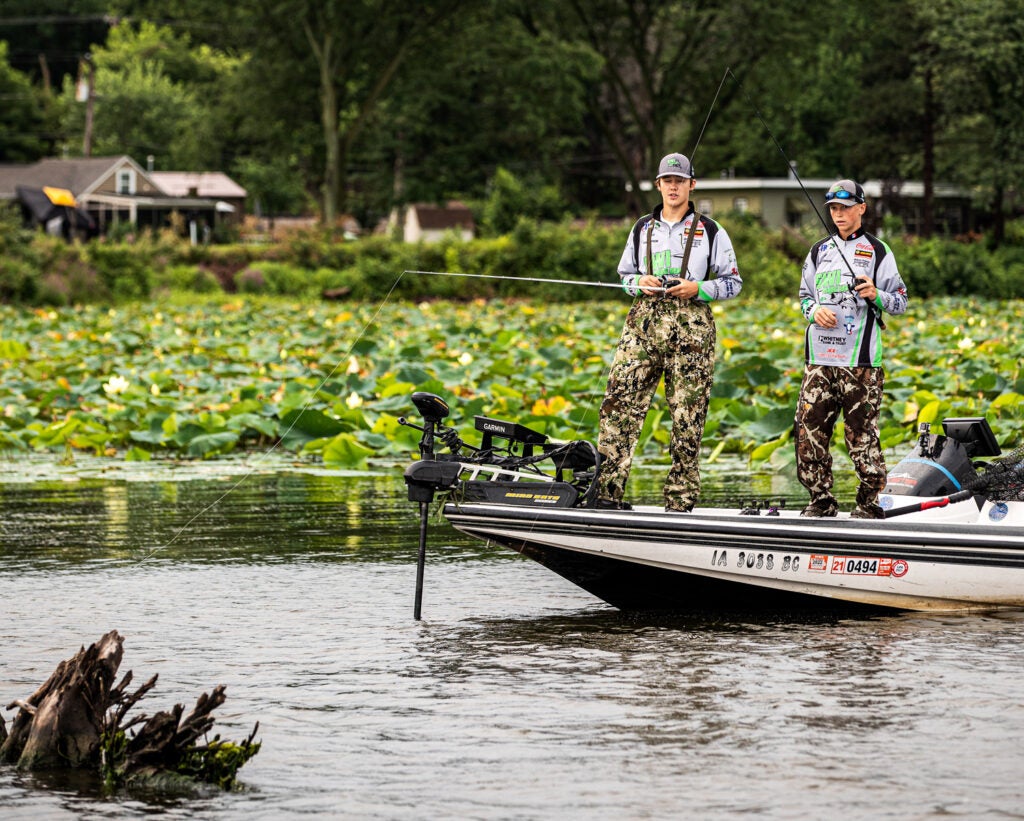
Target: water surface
(518, 696)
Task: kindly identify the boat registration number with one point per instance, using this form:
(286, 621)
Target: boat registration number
(752, 560)
(850, 566)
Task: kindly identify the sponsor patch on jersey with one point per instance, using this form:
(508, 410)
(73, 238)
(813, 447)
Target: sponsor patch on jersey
(863, 252)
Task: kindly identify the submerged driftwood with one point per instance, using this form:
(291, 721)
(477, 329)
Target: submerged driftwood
(79, 719)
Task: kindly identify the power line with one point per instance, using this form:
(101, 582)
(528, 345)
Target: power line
(59, 18)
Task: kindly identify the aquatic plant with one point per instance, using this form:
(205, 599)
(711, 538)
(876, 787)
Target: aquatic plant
(328, 382)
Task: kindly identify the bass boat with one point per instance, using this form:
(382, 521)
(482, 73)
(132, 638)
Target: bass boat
(952, 538)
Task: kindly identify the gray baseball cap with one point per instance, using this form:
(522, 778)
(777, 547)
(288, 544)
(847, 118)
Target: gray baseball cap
(675, 165)
(845, 192)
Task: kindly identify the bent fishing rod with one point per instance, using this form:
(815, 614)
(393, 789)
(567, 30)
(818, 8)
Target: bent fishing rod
(875, 310)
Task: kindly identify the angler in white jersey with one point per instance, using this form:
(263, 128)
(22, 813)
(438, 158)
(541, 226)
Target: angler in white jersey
(849, 280)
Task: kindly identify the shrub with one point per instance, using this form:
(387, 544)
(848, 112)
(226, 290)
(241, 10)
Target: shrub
(187, 278)
(277, 278)
(124, 270)
(38, 269)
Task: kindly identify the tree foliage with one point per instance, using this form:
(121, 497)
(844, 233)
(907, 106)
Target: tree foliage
(976, 51)
(377, 103)
(22, 123)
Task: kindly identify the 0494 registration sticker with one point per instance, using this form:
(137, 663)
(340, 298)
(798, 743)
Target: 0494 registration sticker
(855, 566)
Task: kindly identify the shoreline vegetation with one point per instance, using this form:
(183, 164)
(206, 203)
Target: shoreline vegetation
(315, 264)
(197, 377)
(155, 349)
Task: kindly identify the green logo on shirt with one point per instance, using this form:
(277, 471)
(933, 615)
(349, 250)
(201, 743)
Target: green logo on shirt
(829, 282)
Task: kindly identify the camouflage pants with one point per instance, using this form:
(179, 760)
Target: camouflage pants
(666, 337)
(826, 391)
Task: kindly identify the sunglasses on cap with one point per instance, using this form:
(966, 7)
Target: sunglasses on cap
(842, 194)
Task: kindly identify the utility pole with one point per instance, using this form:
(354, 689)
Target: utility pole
(84, 93)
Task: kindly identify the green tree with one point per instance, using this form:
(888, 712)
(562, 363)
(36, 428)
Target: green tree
(22, 126)
(662, 62)
(343, 58)
(491, 96)
(157, 94)
(976, 58)
(49, 38)
(511, 199)
(274, 186)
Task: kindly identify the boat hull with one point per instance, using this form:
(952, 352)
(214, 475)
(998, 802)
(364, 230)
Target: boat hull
(649, 560)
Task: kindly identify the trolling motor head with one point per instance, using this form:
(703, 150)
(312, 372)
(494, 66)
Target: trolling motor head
(432, 407)
(429, 474)
(434, 411)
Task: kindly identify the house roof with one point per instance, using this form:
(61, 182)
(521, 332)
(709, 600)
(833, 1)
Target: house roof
(437, 218)
(79, 175)
(83, 175)
(213, 184)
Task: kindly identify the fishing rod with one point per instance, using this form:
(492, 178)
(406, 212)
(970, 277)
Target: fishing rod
(528, 279)
(707, 119)
(875, 310)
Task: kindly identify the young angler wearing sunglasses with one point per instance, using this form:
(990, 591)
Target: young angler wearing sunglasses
(848, 280)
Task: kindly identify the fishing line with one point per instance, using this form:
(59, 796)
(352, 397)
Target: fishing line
(792, 169)
(525, 279)
(693, 152)
(232, 488)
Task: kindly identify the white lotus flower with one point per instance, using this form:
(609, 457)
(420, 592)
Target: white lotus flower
(354, 400)
(116, 385)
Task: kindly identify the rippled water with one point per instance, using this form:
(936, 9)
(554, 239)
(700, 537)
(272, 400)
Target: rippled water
(518, 696)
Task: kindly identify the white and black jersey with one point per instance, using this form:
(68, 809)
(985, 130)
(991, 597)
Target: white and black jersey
(829, 276)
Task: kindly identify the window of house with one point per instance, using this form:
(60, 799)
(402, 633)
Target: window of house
(126, 181)
(740, 205)
(704, 206)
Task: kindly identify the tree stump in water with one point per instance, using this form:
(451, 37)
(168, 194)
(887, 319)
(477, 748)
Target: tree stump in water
(78, 718)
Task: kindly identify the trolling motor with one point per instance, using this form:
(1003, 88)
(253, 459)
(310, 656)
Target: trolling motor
(503, 470)
(433, 472)
(430, 474)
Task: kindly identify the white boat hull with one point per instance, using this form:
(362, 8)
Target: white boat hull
(646, 559)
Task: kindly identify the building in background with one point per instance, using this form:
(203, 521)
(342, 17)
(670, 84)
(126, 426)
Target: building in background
(115, 191)
(782, 202)
(429, 223)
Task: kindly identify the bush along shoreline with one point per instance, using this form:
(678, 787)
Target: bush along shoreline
(37, 270)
